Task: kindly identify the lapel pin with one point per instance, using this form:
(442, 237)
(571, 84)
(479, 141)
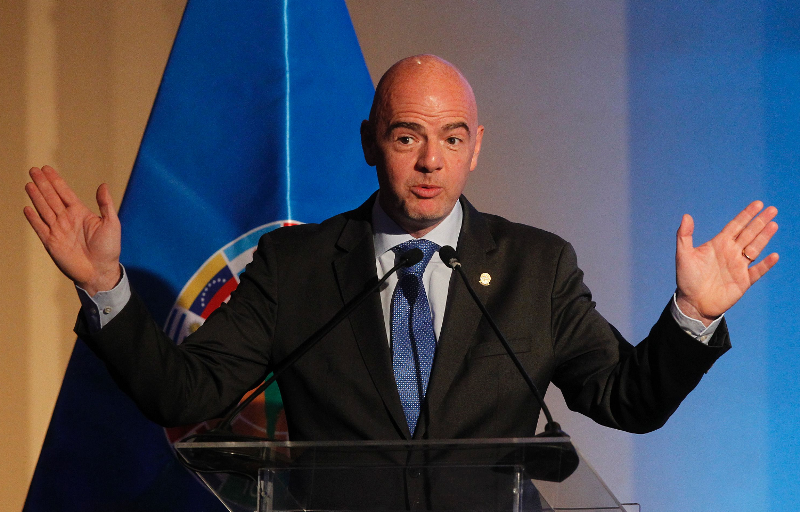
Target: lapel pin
(485, 279)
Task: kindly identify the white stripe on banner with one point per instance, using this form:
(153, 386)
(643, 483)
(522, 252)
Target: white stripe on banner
(288, 90)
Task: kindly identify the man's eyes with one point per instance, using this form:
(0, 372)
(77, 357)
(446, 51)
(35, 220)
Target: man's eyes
(407, 140)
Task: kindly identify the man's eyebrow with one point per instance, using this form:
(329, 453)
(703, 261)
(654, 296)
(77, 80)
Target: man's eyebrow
(453, 126)
(418, 127)
(404, 124)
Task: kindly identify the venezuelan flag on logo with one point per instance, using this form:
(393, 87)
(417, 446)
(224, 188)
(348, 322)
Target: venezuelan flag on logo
(255, 126)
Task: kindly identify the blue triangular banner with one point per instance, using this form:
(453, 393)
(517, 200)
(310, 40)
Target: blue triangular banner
(256, 123)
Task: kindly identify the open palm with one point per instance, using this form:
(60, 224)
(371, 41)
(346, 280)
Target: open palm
(84, 246)
(713, 277)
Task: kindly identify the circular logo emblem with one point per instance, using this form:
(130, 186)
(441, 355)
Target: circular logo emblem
(207, 289)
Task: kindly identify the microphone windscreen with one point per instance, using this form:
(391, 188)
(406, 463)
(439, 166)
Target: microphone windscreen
(448, 255)
(412, 256)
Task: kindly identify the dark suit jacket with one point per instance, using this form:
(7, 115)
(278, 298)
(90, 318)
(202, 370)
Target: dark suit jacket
(345, 389)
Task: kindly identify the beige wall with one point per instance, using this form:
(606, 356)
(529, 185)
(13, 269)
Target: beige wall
(14, 349)
(78, 79)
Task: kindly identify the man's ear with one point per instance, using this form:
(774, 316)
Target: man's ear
(368, 143)
(477, 151)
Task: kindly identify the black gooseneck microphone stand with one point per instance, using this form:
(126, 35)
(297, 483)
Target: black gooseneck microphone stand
(407, 259)
(551, 429)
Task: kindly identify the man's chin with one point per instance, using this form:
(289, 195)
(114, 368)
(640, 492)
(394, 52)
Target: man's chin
(419, 215)
(424, 220)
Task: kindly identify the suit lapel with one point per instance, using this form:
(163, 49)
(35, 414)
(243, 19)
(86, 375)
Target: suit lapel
(355, 270)
(461, 316)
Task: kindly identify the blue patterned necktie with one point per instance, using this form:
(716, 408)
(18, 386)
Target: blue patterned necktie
(413, 338)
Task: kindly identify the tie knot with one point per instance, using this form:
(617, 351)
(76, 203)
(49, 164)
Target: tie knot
(426, 246)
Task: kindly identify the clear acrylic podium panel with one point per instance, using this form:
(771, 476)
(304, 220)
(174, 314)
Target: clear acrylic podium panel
(527, 474)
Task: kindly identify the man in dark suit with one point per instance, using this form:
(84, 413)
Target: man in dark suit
(424, 139)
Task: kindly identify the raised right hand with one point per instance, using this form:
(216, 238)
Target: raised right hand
(85, 247)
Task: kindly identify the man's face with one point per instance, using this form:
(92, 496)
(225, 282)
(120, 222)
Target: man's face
(425, 142)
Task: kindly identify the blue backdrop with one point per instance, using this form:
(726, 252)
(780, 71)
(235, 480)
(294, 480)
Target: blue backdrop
(714, 97)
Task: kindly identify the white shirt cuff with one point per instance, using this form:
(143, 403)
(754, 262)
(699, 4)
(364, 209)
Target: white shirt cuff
(104, 306)
(692, 327)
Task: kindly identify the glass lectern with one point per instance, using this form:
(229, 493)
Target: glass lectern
(529, 474)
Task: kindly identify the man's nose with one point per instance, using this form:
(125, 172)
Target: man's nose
(430, 157)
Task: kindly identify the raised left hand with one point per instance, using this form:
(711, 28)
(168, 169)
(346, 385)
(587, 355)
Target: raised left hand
(714, 276)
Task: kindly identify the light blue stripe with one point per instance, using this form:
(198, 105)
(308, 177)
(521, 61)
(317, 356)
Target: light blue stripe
(288, 149)
(176, 335)
(248, 242)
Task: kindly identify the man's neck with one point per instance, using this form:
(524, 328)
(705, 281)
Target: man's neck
(387, 233)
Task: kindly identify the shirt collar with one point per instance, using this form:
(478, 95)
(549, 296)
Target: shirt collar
(387, 234)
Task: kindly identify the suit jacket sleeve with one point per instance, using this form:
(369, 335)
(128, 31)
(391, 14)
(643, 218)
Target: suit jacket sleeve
(211, 369)
(603, 376)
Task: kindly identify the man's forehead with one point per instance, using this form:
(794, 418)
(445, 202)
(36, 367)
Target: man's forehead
(441, 117)
(417, 99)
(417, 127)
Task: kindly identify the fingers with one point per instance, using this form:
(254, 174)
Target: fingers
(47, 191)
(754, 248)
(68, 197)
(53, 199)
(755, 236)
(685, 232)
(761, 268)
(751, 231)
(45, 212)
(106, 203)
(39, 226)
(734, 228)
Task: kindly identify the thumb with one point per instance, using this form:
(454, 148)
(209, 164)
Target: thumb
(685, 231)
(106, 203)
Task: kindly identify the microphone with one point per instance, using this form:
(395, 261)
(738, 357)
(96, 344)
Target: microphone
(450, 258)
(407, 259)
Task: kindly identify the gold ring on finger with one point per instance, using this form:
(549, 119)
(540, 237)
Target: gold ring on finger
(746, 256)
